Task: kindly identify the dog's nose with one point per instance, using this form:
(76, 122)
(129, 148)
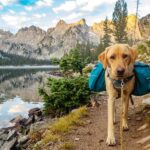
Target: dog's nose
(120, 71)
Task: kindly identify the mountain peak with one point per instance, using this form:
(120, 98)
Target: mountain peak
(5, 34)
(61, 23)
(82, 22)
(30, 28)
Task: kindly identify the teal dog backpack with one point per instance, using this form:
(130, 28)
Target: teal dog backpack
(142, 79)
(97, 78)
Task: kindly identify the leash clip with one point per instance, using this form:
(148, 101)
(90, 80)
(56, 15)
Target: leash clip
(122, 83)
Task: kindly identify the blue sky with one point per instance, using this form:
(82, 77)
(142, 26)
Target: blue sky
(15, 14)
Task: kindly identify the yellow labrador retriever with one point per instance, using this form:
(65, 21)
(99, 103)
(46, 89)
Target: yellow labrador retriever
(118, 60)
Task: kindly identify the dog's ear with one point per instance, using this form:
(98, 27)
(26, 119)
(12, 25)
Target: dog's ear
(133, 54)
(102, 57)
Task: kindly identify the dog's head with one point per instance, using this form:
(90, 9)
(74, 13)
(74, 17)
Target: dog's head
(120, 59)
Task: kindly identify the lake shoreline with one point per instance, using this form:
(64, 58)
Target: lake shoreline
(31, 67)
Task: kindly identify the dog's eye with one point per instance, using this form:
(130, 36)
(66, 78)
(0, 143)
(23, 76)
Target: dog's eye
(112, 57)
(124, 56)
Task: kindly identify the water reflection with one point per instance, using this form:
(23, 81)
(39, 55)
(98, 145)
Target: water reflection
(14, 107)
(19, 92)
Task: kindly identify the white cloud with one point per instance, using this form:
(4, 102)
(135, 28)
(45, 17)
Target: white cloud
(91, 5)
(72, 16)
(39, 16)
(39, 4)
(28, 8)
(66, 6)
(11, 11)
(1, 7)
(23, 13)
(7, 2)
(15, 20)
(44, 3)
(83, 5)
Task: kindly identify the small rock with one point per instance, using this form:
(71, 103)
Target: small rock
(37, 118)
(8, 145)
(1, 142)
(11, 134)
(2, 131)
(23, 139)
(33, 111)
(77, 139)
(143, 140)
(30, 120)
(146, 101)
(4, 136)
(89, 121)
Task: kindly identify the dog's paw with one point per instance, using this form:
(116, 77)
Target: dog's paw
(125, 126)
(111, 141)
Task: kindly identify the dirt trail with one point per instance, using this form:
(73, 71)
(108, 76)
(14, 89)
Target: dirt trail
(92, 136)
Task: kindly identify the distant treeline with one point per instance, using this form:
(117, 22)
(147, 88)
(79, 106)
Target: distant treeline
(6, 74)
(13, 59)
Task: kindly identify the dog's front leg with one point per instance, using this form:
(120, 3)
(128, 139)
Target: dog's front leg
(111, 135)
(125, 106)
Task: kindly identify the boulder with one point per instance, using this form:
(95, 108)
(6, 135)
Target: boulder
(23, 139)
(37, 126)
(8, 145)
(3, 136)
(35, 111)
(30, 120)
(11, 134)
(1, 142)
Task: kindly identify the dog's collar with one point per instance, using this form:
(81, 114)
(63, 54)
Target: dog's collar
(119, 83)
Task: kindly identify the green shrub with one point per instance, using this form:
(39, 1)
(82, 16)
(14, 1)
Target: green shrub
(65, 94)
(73, 62)
(55, 61)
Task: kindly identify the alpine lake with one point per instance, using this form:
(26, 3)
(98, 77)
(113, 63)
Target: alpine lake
(19, 90)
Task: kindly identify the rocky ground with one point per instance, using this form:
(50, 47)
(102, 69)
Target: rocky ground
(16, 136)
(93, 135)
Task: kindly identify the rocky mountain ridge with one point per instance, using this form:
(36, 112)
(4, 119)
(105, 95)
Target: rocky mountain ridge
(55, 42)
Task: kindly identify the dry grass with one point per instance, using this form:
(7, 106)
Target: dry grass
(66, 122)
(56, 131)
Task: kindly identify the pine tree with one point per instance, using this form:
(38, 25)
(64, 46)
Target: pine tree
(106, 38)
(120, 21)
